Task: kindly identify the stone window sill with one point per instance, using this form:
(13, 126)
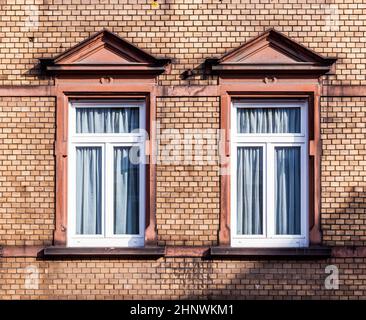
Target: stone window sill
(155, 252)
(271, 253)
(133, 253)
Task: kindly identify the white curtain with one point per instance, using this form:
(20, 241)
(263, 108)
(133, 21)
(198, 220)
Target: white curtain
(269, 120)
(126, 193)
(288, 191)
(106, 120)
(88, 190)
(249, 190)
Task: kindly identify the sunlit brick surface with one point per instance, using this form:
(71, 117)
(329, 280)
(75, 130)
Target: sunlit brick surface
(27, 170)
(344, 170)
(187, 195)
(188, 31)
(186, 278)
(188, 191)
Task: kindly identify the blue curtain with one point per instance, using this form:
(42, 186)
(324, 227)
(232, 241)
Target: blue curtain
(249, 190)
(288, 190)
(269, 120)
(126, 193)
(88, 190)
(106, 120)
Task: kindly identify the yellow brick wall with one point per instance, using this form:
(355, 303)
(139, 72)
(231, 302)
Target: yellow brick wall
(188, 205)
(343, 128)
(186, 30)
(27, 166)
(188, 181)
(173, 278)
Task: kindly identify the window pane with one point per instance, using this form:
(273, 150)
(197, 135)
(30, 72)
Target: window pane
(288, 190)
(269, 120)
(106, 120)
(249, 190)
(126, 193)
(88, 190)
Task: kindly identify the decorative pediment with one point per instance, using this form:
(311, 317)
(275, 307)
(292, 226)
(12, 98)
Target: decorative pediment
(271, 52)
(105, 51)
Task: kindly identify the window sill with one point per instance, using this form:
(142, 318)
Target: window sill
(271, 253)
(155, 252)
(132, 253)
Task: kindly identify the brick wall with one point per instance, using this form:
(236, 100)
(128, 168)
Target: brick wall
(187, 195)
(173, 278)
(343, 128)
(188, 190)
(27, 134)
(188, 31)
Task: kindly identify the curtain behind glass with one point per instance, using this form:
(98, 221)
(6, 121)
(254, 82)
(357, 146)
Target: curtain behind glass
(126, 193)
(249, 190)
(106, 120)
(269, 120)
(88, 190)
(288, 191)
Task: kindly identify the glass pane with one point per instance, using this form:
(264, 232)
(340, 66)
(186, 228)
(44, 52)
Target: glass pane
(106, 120)
(126, 193)
(88, 190)
(269, 120)
(288, 190)
(250, 190)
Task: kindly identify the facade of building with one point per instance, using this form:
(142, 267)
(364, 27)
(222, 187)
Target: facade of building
(182, 149)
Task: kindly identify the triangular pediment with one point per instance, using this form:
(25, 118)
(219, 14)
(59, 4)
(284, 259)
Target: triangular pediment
(272, 51)
(105, 50)
(263, 53)
(106, 55)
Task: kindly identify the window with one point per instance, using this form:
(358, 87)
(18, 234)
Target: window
(269, 187)
(106, 173)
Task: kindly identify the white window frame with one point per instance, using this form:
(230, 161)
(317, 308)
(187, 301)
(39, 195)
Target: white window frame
(269, 141)
(107, 141)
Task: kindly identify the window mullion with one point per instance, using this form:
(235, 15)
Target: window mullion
(71, 230)
(270, 167)
(108, 190)
(142, 183)
(233, 182)
(264, 189)
(304, 192)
